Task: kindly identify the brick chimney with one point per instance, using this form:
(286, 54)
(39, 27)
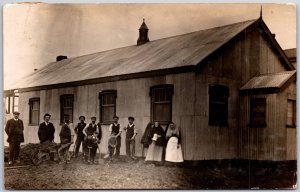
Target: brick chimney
(61, 57)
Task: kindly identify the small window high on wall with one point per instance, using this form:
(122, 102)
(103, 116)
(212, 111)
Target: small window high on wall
(34, 111)
(291, 113)
(161, 103)
(218, 105)
(258, 112)
(66, 107)
(107, 106)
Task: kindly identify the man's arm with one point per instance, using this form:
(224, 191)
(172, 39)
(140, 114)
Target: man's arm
(76, 129)
(120, 131)
(40, 132)
(22, 124)
(84, 130)
(7, 127)
(135, 133)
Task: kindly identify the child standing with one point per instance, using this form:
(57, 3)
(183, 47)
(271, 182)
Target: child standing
(131, 132)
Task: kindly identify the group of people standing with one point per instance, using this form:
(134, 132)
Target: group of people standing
(162, 144)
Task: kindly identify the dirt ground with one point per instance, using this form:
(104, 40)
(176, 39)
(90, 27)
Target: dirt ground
(129, 174)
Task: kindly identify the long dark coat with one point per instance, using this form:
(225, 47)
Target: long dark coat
(14, 129)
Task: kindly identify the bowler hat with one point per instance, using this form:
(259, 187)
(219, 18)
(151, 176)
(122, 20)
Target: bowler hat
(93, 117)
(16, 113)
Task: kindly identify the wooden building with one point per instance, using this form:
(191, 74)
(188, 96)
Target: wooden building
(230, 89)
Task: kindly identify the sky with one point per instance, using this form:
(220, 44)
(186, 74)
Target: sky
(35, 33)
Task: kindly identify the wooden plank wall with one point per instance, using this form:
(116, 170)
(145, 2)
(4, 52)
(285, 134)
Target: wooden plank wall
(233, 66)
(132, 100)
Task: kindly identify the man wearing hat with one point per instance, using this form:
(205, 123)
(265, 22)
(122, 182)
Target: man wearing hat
(80, 135)
(46, 130)
(14, 129)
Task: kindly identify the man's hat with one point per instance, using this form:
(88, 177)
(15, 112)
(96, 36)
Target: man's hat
(47, 114)
(82, 117)
(16, 113)
(93, 118)
(132, 118)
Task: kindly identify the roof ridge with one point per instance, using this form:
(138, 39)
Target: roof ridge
(134, 45)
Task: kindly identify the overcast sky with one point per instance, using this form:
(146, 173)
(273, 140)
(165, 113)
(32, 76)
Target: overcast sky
(34, 34)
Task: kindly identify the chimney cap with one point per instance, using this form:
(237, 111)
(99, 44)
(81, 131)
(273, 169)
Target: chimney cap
(61, 57)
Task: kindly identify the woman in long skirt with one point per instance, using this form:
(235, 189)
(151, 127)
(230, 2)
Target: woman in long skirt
(173, 150)
(155, 149)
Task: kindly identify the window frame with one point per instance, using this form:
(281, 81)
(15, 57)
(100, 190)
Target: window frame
(31, 100)
(213, 89)
(252, 123)
(170, 102)
(61, 99)
(101, 107)
(294, 114)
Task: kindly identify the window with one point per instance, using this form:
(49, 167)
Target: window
(258, 112)
(218, 105)
(34, 111)
(66, 107)
(107, 106)
(11, 101)
(161, 103)
(291, 113)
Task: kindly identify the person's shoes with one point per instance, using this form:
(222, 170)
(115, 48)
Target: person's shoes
(10, 163)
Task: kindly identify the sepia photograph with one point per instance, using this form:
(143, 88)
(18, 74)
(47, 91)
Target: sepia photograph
(149, 96)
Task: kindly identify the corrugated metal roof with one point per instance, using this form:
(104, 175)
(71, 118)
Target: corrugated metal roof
(276, 80)
(183, 50)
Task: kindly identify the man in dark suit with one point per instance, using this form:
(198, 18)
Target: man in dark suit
(46, 130)
(14, 129)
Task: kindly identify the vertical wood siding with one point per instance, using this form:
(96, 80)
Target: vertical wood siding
(244, 57)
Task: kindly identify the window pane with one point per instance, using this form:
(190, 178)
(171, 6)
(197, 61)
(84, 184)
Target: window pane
(218, 105)
(107, 106)
(67, 102)
(161, 103)
(291, 113)
(162, 112)
(108, 113)
(34, 113)
(258, 112)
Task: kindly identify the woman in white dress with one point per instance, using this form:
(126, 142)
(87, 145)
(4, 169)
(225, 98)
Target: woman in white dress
(173, 150)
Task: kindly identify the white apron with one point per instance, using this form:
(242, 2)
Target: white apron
(174, 154)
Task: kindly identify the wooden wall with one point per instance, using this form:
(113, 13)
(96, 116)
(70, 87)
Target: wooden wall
(246, 56)
(273, 142)
(132, 100)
